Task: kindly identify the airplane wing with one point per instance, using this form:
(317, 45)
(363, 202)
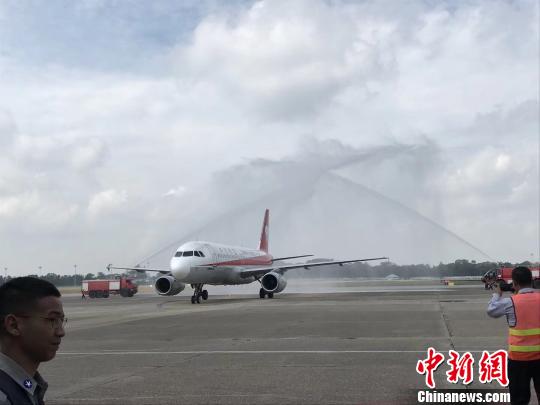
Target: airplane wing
(289, 257)
(212, 267)
(162, 271)
(282, 269)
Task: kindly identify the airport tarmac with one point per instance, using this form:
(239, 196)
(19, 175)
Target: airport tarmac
(349, 345)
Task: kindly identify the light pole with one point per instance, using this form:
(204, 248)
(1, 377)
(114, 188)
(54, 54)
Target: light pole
(5, 272)
(75, 279)
(39, 271)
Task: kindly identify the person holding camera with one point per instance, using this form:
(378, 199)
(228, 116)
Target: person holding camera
(522, 312)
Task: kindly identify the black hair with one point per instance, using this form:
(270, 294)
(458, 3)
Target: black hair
(522, 275)
(20, 295)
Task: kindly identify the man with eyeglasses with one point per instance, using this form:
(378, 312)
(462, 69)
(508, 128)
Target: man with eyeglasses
(31, 328)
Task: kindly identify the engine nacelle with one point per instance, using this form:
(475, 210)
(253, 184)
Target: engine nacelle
(168, 285)
(273, 282)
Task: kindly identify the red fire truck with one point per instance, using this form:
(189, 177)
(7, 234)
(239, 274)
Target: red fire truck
(503, 276)
(103, 288)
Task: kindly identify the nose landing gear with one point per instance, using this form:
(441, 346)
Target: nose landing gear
(198, 293)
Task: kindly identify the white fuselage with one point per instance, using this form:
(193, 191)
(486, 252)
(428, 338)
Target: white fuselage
(213, 263)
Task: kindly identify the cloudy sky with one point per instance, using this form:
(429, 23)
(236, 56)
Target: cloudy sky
(408, 129)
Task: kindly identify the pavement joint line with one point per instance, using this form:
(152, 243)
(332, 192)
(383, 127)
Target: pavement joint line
(105, 353)
(447, 325)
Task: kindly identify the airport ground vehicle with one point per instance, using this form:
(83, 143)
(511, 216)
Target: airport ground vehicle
(503, 276)
(103, 288)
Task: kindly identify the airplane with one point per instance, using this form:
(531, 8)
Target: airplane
(198, 263)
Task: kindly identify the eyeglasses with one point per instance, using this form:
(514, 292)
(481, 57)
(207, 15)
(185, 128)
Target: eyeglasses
(56, 323)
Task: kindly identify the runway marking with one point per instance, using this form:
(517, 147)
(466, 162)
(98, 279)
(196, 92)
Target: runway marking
(108, 353)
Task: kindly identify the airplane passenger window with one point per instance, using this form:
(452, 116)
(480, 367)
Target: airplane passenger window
(178, 254)
(188, 253)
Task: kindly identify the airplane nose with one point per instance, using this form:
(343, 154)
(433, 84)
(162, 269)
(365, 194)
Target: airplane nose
(179, 268)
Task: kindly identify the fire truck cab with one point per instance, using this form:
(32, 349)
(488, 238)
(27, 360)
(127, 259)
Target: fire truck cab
(503, 276)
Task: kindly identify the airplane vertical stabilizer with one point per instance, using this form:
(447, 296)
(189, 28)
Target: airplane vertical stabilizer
(263, 245)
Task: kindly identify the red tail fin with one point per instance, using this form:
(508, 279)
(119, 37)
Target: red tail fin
(263, 245)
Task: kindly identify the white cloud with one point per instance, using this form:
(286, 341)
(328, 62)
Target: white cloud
(175, 192)
(492, 175)
(7, 128)
(258, 97)
(503, 162)
(106, 201)
(9, 206)
(287, 59)
(38, 211)
(59, 151)
(89, 153)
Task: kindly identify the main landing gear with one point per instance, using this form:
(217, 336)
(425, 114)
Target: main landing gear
(263, 293)
(198, 293)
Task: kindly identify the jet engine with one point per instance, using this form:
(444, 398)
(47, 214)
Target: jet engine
(273, 282)
(168, 285)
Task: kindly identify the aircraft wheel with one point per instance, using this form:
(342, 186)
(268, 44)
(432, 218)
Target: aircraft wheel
(270, 295)
(193, 299)
(204, 295)
(198, 300)
(262, 294)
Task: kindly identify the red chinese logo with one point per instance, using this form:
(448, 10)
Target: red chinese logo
(494, 367)
(490, 367)
(461, 368)
(429, 365)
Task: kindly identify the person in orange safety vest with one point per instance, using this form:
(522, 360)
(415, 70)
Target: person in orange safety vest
(522, 312)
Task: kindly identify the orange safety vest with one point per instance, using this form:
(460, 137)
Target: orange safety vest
(524, 338)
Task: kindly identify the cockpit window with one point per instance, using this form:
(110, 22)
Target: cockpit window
(196, 253)
(178, 254)
(188, 253)
(201, 254)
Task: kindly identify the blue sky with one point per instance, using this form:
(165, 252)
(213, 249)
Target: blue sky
(101, 35)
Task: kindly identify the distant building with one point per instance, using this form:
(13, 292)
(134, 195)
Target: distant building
(392, 277)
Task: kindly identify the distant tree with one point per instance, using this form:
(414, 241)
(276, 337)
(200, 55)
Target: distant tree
(461, 267)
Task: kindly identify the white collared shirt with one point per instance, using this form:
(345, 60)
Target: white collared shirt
(499, 306)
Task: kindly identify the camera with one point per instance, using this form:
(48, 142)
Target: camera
(506, 287)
